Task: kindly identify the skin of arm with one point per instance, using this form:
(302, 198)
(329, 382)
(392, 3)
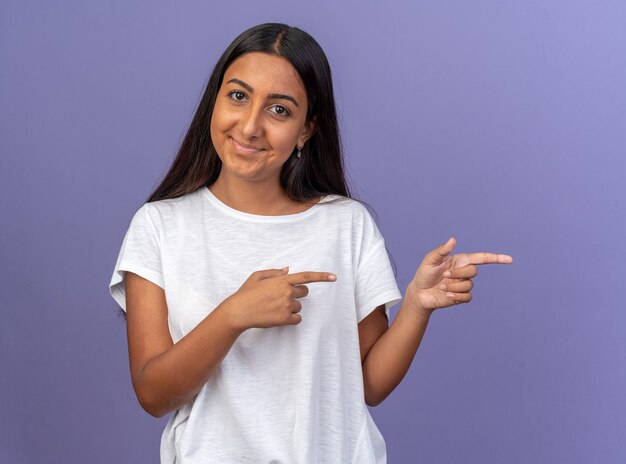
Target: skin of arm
(441, 280)
(165, 375)
(168, 375)
(387, 352)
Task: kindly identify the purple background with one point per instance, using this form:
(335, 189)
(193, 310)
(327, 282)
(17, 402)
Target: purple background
(502, 123)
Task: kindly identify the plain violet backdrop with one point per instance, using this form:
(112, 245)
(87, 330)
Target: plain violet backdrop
(502, 123)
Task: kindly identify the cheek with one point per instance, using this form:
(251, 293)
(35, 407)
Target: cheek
(219, 125)
(285, 138)
(213, 130)
(216, 117)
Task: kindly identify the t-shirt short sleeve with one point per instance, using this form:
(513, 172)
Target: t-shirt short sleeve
(140, 253)
(375, 282)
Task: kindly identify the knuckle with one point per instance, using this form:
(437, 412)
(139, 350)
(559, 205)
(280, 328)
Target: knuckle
(307, 277)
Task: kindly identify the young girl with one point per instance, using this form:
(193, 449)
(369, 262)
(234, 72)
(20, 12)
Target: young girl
(256, 290)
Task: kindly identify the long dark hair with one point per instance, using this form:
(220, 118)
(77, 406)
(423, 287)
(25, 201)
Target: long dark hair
(319, 171)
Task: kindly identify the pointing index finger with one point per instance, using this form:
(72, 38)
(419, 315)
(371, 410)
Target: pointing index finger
(307, 277)
(489, 258)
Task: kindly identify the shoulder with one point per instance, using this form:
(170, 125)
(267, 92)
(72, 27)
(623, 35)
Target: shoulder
(348, 206)
(362, 216)
(173, 208)
(354, 216)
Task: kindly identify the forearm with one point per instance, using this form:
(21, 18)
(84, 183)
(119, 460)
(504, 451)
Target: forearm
(170, 380)
(389, 359)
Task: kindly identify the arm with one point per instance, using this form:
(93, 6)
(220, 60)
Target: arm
(441, 280)
(166, 375)
(387, 353)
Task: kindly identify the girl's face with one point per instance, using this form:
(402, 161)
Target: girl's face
(259, 116)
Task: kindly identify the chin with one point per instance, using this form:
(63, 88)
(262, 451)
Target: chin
(251, 174)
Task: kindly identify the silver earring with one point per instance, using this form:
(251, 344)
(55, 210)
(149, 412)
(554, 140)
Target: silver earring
(299, 154)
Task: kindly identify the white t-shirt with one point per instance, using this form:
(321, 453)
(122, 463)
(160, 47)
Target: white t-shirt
(290, 394)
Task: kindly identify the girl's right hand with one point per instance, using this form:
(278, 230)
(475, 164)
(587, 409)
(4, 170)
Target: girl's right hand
(268, 298)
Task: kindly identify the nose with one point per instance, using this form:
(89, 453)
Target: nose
(251, 122)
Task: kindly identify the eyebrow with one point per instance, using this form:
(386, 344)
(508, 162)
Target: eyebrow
(280, 96)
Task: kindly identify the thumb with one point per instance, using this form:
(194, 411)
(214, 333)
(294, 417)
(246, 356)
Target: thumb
(437, 256)
(267, 273)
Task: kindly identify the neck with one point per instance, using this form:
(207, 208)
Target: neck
(263, 198)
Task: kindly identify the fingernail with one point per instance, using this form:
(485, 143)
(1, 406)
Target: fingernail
(332, 277)
(286, 268)
(447, 274)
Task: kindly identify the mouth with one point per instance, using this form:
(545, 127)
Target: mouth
(243, 148)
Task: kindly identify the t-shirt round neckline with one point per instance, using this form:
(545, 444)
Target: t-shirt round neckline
(259, 217)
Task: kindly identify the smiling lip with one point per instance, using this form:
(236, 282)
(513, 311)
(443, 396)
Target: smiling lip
(244, 149)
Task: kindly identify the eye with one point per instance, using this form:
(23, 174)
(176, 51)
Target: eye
(280, 110)
(237, 95)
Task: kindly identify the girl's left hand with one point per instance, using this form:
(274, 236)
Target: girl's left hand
(444, 280)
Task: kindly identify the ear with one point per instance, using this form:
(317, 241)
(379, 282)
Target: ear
(309, 129)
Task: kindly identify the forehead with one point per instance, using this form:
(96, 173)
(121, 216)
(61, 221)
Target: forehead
(265, 72)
